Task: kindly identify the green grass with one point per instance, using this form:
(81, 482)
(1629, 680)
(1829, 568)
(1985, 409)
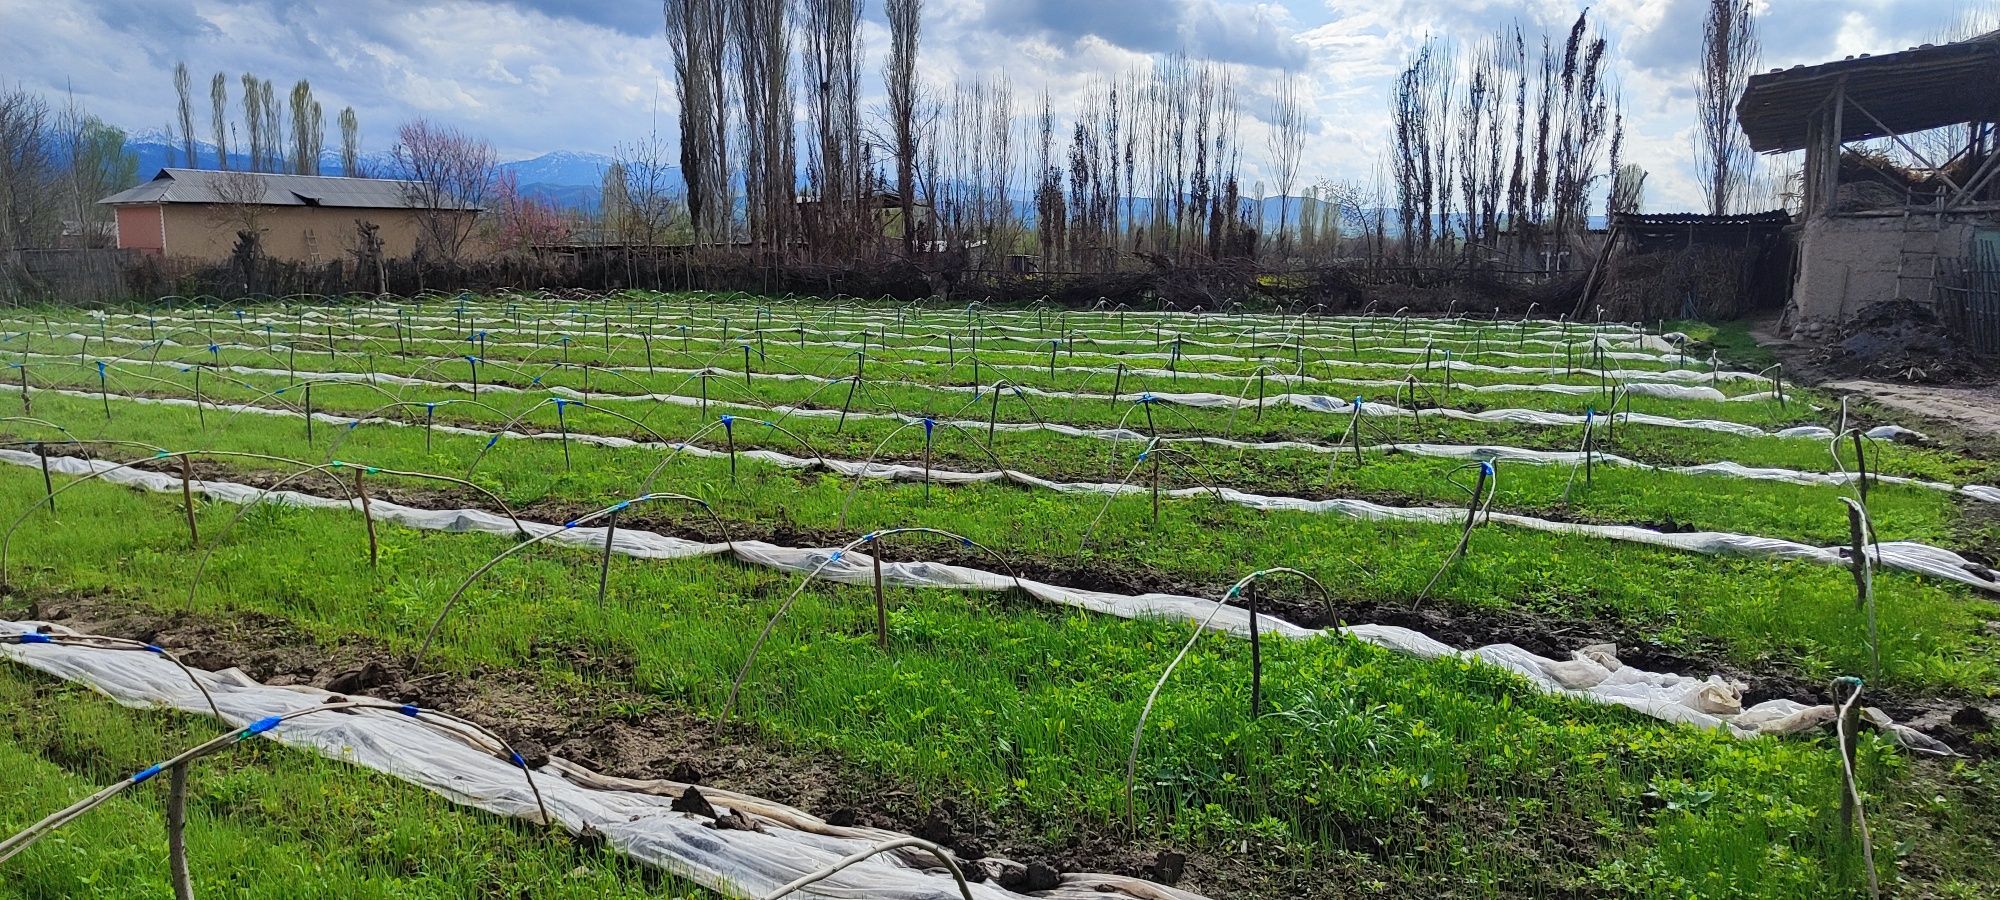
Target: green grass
(1458, 768)
(1759, 614)
(263, 820)
(1370, 770)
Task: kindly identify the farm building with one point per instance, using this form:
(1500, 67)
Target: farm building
(198, 214)
(1689, 265)
(1922, 225)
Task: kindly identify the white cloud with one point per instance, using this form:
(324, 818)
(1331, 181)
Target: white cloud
(540, 75)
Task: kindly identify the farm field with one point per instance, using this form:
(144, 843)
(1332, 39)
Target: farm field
(1541, 607)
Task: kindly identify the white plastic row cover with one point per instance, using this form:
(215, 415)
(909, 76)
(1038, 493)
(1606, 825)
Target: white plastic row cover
(1710, 702)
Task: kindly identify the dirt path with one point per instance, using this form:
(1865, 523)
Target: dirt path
(1971, 410)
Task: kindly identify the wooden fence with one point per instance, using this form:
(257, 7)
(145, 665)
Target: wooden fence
(1968, 294)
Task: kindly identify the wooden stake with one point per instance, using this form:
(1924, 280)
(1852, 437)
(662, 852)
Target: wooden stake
(177, 862)
(48, 484)
(1861, 466)
(881, 603)
(187, 500)
(604, 562)
(367, 518)
(1256, 654)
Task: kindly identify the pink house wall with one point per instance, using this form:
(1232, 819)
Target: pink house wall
(142, 228)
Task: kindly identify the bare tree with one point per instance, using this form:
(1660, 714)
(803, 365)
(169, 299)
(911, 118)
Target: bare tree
(1422, 111)
(761, 34)
(274, 127)
(98, 165)
(638, 188)
(697, 34)
(900, 78)
(253, 122)
(449, 176)
(29, 173)
(1287, 143)
(350, 144)
(240, 205)
(1729, 51)
(308, 135)
(1587, 116)
(218, 112)
(184, 91)
(834, 164)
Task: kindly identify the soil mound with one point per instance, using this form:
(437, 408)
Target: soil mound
(1903, 341)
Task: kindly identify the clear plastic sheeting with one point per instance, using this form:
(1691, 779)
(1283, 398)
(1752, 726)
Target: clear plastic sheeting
(634, 818)
(1661, 695)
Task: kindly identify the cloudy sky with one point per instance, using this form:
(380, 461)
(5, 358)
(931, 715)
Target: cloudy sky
(539, 75)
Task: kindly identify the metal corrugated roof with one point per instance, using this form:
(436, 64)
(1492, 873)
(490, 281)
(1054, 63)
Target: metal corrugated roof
(1914, 90)
(267, 189)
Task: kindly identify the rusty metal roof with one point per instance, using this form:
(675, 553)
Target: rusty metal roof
(1925, 87)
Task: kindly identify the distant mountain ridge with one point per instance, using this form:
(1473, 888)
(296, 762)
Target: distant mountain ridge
(566, 179)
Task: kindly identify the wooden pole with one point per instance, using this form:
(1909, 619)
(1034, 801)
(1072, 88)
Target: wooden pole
(187, 500)
(604, 561)
(881, 603)
(48, 484)
(1256, 654)
(367, 518)
(177, 862)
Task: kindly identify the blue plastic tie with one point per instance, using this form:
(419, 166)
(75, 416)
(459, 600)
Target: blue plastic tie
(570, 524)
(430, 407)
(262, 725)
(491, 441)
(155, 648)
(929, 424)
(727, 420)
(141, 776)
(1488, 467)
(559, 404)
(354, 424)
(409, 709)
(836, 556)
(33, 637)
(868, 538)
(518, 760)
